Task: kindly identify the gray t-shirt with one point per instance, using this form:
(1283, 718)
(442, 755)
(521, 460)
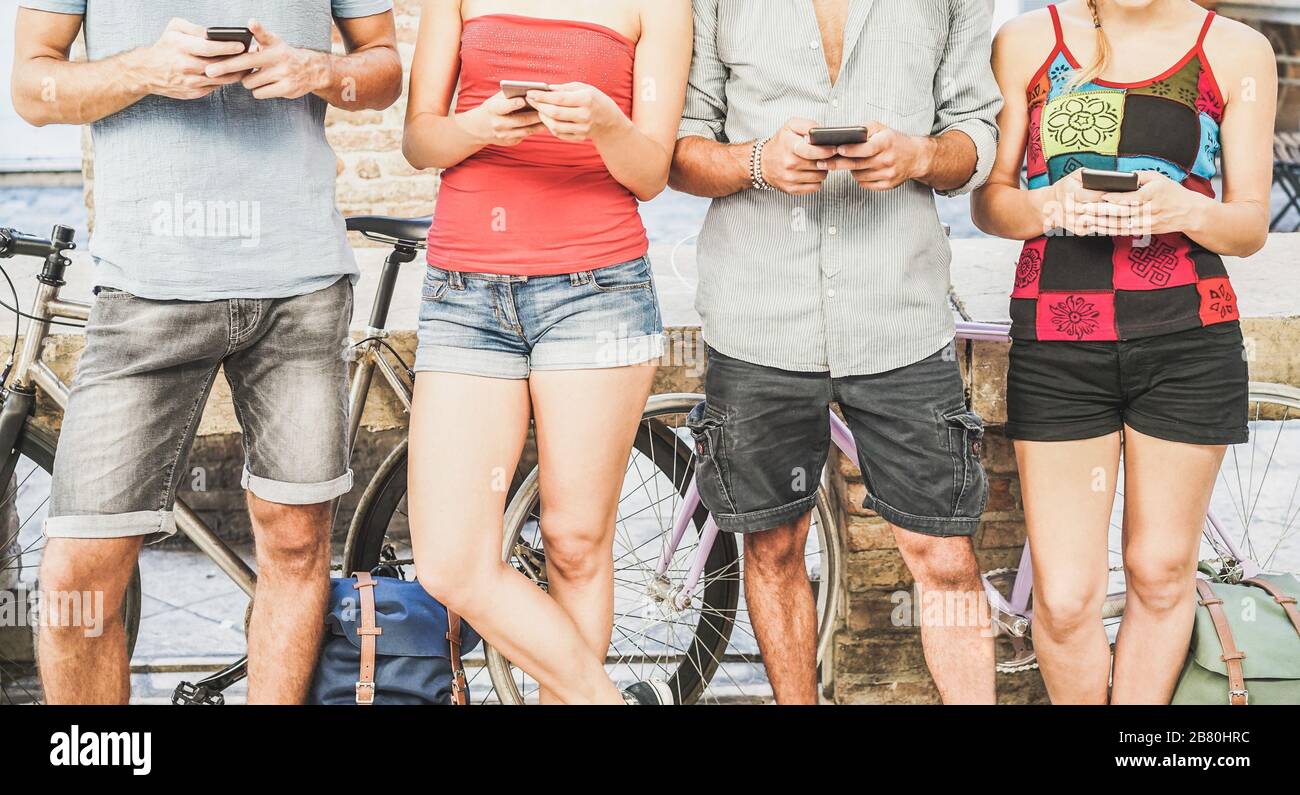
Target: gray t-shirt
(221, 197)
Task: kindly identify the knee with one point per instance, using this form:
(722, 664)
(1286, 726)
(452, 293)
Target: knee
(940, 564)
(83, 582)
(1159, 584)
(454, 580)
(1061, 611)
(778, 550)
(292, 539)
(577, 550)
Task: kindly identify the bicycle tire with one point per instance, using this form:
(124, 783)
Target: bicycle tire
(40, 446)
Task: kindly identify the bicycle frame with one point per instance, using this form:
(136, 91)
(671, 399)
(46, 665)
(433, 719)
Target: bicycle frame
(30, 373)
(842, 438)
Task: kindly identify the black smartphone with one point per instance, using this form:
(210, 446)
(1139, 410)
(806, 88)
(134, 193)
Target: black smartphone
(837, 136)
(1110, 181)
(242, 35)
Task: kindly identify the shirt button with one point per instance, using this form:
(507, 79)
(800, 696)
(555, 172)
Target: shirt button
(812, 45)
(835, 103)
(830, 293)
(834, 230)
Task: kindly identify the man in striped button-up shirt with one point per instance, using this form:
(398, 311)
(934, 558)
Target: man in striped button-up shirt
(824, 275)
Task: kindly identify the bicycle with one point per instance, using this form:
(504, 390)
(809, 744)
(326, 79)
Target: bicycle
(697, 584)
(30, 448)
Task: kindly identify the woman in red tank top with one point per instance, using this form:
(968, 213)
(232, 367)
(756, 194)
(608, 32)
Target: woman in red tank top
(1124, 321)
(539, 304)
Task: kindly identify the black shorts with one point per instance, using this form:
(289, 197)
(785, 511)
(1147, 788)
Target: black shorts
(1191, 387)
(763, 435)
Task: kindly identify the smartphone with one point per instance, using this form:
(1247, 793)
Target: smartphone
(837, 136)
(1110, 181)
(514, 89)
(242, 35)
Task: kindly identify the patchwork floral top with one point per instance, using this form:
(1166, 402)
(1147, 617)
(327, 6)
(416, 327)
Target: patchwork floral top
(1071, 287)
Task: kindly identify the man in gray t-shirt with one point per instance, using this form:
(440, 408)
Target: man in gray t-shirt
(217, 246)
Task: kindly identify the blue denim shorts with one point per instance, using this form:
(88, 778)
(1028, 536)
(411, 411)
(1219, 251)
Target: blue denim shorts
(507, 326)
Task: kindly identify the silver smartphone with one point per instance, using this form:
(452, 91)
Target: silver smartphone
(514, 89)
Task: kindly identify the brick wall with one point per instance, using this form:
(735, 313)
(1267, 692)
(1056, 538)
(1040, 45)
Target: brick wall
(373, 176)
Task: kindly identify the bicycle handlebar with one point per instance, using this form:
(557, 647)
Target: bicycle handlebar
(17, 244)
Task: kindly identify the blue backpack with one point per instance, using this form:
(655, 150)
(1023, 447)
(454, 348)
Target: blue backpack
(388, 642)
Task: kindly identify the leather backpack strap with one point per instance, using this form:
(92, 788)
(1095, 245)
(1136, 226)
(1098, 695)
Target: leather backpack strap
(368, 631)
(1232, 657)
(459, 685)
(1287, 601)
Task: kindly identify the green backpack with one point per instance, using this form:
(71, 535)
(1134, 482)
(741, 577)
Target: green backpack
(1245, 644)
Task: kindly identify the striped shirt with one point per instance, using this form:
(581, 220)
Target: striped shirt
(845, 280)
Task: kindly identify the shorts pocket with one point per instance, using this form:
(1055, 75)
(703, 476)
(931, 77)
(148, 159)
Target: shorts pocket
(634, 275)
(966, 444)
(436, 285)
(707, 426)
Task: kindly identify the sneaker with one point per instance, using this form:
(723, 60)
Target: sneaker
(652, 693)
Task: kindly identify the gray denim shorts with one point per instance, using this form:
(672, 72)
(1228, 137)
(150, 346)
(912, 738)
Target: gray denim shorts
(139, 393)
(507, 326)
(763, 436)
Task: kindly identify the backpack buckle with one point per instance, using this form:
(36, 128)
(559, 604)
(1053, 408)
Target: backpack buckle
(365, 693)
(1242, 694)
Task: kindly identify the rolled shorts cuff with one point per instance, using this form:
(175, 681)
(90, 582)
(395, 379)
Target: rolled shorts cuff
(113, 525)
(766, 519)
(1062, 431)
(925, 525)
(1184, 434)
(283, 493)
(598, 354)
(471, 361)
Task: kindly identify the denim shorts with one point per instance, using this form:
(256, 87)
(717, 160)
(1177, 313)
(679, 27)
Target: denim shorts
(141, 386)
(507, 326)
(763, 435)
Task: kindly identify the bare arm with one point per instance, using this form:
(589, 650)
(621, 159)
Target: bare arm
(48, 88)
(369, 76)
(1002, 207)
(704, 167)
(434, 137)
(1238, 225)
(637, 151)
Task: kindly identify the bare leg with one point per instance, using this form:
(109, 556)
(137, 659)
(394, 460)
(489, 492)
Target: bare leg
(293, 557)
(782, 610)
(958, 650)
(1069, 490)
(82, 650)
(1167, 489)
(586, 421)
(466, 437)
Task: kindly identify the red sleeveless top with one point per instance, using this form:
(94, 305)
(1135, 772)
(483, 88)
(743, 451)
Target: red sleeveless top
(544, 207)
(1085, 288)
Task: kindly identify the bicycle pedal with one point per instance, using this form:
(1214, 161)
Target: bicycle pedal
(187, 693)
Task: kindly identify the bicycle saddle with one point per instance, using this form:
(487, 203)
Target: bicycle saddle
(407, 231)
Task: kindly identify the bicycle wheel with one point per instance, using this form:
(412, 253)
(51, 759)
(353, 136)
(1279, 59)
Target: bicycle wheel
(22, 515)
(706, 650)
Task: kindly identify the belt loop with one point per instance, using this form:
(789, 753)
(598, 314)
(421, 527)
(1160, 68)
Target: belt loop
(456, 280)
(575, 279)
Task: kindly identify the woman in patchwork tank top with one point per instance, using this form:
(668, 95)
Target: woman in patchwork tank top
(1124, 320)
